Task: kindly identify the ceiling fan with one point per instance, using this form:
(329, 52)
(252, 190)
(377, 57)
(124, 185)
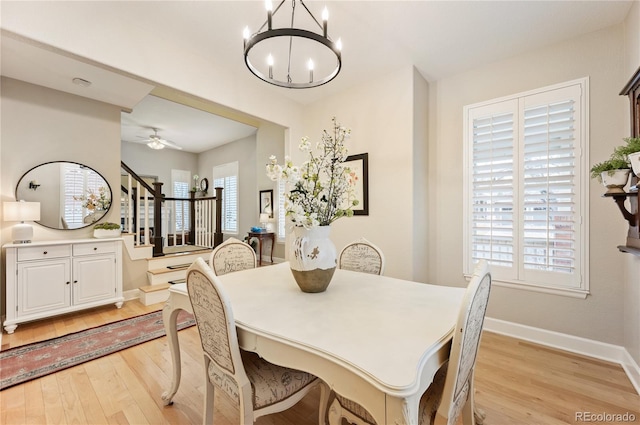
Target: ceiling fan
(156, 142)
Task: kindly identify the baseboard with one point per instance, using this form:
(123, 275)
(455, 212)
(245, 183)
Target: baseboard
(574, 344)
(633, 370)
(132, 294)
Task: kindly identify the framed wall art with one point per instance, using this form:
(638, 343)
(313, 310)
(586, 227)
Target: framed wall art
(266, 202)
(359, 166)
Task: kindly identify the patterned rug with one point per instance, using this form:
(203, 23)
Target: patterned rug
(27, 362)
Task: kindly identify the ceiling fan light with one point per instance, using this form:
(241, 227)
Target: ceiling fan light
(155, 145)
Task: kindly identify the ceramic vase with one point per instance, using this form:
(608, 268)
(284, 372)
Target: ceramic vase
(616, 181)
(313, 258)
(106, 233)
(634, 159)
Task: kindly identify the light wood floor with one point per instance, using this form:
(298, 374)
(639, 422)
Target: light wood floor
(516, 383)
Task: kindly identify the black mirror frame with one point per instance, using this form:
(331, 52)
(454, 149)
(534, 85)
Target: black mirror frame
(69, 162)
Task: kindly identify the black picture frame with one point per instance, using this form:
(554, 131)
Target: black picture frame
(359, 164)
(266, 202)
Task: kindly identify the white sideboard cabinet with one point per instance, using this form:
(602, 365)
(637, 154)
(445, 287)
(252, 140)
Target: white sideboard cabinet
(56, 277)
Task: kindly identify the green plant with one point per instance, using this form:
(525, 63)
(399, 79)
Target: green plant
(632, 146)
(107, 226)
(610, 165)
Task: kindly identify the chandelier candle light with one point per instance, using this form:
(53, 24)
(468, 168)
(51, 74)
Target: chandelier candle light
(322, 191)
(301, 46)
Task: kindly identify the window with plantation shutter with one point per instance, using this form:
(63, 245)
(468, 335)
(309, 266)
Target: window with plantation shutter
(180, 180)
(281, 210)
(525, 191)
(77, 183)
(226, 177)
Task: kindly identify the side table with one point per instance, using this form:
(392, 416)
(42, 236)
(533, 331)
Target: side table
(260, 236)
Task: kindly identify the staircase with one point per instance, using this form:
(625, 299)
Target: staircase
(162, 272)
(167, 233)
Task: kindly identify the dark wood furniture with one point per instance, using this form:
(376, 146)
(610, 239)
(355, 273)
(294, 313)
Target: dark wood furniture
(260, 236)
(631, 90)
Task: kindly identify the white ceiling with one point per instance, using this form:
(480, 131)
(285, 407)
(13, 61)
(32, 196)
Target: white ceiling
(191, 129)
(440, 38)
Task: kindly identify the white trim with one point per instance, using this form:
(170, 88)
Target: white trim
(632, 369)
(132, 294)
(575, 285)
(568, 292)
(574, 344)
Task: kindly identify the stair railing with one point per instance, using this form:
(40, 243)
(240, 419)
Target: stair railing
(164, 218)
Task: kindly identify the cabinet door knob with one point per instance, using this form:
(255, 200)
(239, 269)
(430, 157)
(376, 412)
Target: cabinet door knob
(44, 253)
(68, 282)
(95, 248)
(75, 281)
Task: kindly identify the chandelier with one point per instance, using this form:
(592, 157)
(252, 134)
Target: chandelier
(295, 58)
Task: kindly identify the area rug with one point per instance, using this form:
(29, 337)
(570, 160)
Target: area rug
(27, 362)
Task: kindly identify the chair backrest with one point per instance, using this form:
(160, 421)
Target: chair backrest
(361, 256)
(465, 343)
(214, 319)
(231, 256)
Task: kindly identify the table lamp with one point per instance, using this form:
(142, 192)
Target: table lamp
(21, 211)
(264, 219)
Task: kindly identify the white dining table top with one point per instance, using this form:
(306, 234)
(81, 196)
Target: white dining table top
(382, 328)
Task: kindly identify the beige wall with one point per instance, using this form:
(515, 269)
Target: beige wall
(598, 56)
(40, 125)
(631, 317)
(380, 116)
(243, 151)
(270, 141)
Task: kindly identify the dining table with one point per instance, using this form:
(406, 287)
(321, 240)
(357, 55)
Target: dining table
(376, 340)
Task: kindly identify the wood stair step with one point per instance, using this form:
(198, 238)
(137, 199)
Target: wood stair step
(153, 288)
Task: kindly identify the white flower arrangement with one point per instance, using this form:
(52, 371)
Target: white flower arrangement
(323, 188)
(100, 201)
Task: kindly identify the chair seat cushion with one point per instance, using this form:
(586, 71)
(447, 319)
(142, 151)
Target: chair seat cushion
(270, 383)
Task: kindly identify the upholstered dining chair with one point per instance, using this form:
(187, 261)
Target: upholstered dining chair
(256, 386)
(361, 256)
(232, 255)
(451, 391)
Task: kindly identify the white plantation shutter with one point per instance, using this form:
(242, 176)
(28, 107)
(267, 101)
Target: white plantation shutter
(180, 180)
(493, 221)
(77, 182)
(281, 210)
(524, 192)
(226, 177)
(73, 189)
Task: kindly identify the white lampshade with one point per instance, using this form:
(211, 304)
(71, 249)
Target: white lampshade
(264, 218)
(21, 211)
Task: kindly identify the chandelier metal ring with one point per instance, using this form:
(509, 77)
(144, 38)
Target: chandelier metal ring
(292, 32)
(328, 71)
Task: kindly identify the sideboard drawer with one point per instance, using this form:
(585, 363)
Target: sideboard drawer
(94, 248)
(43, 252)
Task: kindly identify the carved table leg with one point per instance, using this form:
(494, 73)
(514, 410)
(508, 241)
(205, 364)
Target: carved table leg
(169, 317)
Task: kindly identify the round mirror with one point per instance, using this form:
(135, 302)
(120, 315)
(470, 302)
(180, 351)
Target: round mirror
(71, 195)
(204, 184)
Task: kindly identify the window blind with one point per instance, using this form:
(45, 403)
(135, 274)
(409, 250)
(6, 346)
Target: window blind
(525, 188)
(492, 193)
(549, 187)
(180, 180)
(226, 176)
(281, 211)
